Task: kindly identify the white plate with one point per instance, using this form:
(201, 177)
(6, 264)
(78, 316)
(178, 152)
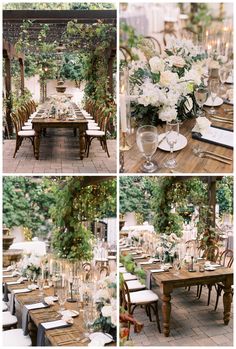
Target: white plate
(218, 101)
(210, 268)
(104, 337)
(69, 313)
(181, 143)
(72, 119)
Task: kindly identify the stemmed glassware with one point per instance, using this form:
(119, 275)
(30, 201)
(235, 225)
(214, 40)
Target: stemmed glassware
(61, 293)
(201, 95)
(223, 75)
(176, 266)
(147, 138)
(172, 135)
(90, 315)
(40, 283)
(214, 90)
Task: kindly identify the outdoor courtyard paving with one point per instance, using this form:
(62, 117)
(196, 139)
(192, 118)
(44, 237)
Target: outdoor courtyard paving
(59, 153)
(193, 323)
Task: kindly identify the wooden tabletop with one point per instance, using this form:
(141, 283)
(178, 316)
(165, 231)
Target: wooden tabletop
(71, 336)
(186, 160)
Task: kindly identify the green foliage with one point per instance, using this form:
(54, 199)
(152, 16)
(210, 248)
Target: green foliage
(58, 6)
(224, 195)
(73, 67)
(131, 267)
(26, 203)
(75, 204)
(135, 195)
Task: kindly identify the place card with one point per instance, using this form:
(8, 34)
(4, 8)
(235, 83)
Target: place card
(157, 270)
(216, 135)
(36, 306)
(54, 324)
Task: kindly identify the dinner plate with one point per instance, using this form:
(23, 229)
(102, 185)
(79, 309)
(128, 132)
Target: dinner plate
(69, 313)
(217, 102)
(104, 337)
(181, 143)
(210, 268)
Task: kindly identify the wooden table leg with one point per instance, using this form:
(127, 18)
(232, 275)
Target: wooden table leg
(81, 143)
(37, 143)
(227, 300)
(166, 310)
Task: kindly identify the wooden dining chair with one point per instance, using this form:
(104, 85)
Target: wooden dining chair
(226, 259)
(101, 135)
(21, 134)
(146, 298)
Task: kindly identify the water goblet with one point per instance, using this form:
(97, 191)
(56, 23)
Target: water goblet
(90, 315)
(172, 134)
(201, 95)
(61, 294)
(177, 266)
(40, 283)
(146, 138)
(223, 75)
(214, 90)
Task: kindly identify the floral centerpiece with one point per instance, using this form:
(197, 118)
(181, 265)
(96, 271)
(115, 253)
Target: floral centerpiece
(60, 105)
(105, 299)
(168, 246)
(164, 85)
(30, 266)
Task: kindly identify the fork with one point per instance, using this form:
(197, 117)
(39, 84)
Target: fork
(213, 157)
(200, 150)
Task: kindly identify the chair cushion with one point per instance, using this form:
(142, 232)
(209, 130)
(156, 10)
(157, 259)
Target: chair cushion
(8, 319)
(129, 276)
(135, 285)
(26, 128)
(28, 123)
(28, 133)
(95, 133)
(15, 338)
(141, 297)
(93, 127)
(88, 117)
(4, 306)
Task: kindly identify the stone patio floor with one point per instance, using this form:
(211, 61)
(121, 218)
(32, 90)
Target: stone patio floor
(193, 323)
(59, 153)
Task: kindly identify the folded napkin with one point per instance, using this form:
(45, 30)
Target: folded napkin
(32, 287)
(67, 319)
(25, 314)
(12, 299)
(8, 276)
(13, 283)
(47, 326)
(215, 265)
(148, 276)
(145, 263)
(5, 297)
(9, 268)
(202, 125)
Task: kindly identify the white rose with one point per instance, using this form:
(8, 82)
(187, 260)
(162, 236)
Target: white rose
(168, 78)
(156, 64)
(168, 114)
(107, 310)
(177, 61)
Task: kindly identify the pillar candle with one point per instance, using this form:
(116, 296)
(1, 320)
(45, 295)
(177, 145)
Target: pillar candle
(123, 116)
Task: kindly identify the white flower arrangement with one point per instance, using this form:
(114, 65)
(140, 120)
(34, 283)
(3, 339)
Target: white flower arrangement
(167, 83)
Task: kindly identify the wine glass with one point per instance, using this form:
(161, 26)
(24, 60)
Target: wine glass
(214, 90)
(223, 75)
(90, 315)
(147, 137)
(40, 283)
(201, 95)
(176, 266)
(172, 134)
(61, 294)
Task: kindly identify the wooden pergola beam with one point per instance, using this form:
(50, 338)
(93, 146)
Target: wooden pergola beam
(59, 16)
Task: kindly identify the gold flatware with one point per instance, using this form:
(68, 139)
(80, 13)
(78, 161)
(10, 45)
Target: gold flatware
(213, 157)
(222, 121)
(219, 155)
(221, 117)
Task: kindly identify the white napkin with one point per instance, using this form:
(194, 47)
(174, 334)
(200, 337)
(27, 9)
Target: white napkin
(202, 125)
(67, 319)
(13, 283)
(96, 343)
(21, 290)
(8, 276)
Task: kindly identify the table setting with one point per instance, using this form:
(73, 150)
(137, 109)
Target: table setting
(172, 102)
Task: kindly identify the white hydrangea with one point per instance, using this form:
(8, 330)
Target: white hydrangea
(192, 75)
(168, 114)
(176, 61)
(156, 64)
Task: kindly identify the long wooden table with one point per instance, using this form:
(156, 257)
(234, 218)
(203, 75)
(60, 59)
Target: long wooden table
(39, 124)
(186, 160)
(167, 282)
(56, 337)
